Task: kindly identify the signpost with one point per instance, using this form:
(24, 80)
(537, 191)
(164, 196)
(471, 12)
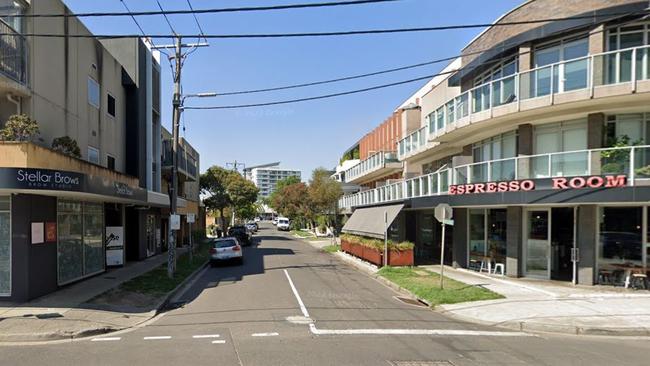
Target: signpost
(190, 220)
(385, 238)
(443, 213)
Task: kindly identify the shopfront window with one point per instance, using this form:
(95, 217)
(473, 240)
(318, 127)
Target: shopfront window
(620, 249)
(487, 237)
(81, 239)
(5, 246)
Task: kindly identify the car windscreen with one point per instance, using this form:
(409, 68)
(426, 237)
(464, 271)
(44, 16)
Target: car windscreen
(224, 243)
(284, 221)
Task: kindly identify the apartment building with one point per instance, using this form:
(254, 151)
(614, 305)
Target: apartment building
(266, 176)
(65, 218)
(539, 140)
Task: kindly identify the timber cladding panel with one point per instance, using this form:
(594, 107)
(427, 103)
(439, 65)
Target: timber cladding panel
(535, 9)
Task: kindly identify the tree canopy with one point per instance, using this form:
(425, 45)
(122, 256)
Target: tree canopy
(228, 189)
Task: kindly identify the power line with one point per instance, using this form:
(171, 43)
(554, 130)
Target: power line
(338, 33)
(140, 27)
(326, 96)
(166, 19)
(204, 11)
(198, 24)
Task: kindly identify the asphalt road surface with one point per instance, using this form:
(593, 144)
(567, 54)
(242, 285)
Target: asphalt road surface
(290, 304)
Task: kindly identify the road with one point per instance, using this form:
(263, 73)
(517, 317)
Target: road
(290, 304)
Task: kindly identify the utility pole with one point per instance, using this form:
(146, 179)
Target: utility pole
(235, 164)
(177, 105)
(173, 196)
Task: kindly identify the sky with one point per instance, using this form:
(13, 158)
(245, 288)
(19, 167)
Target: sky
(304, 135)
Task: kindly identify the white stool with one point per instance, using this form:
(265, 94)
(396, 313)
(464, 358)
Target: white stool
(500, 268)
(487, 265)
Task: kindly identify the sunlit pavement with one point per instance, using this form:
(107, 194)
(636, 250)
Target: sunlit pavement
(290, 304)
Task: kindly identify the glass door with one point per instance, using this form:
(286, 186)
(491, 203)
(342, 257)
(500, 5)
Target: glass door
(538, 243)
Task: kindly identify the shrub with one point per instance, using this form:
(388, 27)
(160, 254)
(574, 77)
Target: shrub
(66, 145)
(19, 127)
(377, 244)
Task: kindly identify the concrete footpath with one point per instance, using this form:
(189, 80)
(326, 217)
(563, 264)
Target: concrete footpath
(551, 306)
(66, 314)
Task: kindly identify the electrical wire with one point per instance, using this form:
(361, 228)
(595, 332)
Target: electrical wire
(205, 11)
(340, 33)
(166, 19)
(196, 19)
(140, 27)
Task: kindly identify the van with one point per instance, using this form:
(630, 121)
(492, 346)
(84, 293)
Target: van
(283, 224)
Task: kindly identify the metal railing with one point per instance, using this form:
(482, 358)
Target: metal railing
(13, 54)
(584, 73)
(631, 161)
(185, 162)
(373, 163)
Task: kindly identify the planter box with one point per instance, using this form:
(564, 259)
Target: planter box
(373, 256)
(356, 250)
(345, 246)
(401, 258)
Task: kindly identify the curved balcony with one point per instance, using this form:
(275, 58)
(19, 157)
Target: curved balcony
(578, 83)
(375, 166)
(631, 161)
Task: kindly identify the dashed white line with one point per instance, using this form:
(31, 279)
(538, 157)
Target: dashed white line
(273, 334)
(156, 338)
(206, 336)
(218, 342)
(105, 339)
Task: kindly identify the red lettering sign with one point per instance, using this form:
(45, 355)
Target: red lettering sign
(527, 185)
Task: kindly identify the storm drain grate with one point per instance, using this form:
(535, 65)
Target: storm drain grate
(420, 363)
(410, 301)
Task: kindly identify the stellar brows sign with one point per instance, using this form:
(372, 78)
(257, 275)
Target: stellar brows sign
(594, 181)
(58, 180)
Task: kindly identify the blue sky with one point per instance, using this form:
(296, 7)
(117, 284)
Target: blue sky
(309, 134)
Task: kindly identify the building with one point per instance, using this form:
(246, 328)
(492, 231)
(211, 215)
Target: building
(266, 176)
(538, 137)
(65, 218)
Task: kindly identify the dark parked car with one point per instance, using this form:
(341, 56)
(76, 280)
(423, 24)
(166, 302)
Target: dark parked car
(241, 233)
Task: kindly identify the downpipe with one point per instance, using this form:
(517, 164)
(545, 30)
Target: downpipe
(16, 102)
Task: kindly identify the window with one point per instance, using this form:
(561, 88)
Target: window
(93, 92)
(563, 77)
(93, 155)
(110, 105)
(502, 146)
(619, 65)
(110, 162)
(560, 137)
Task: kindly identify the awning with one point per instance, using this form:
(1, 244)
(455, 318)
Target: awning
(370, 221)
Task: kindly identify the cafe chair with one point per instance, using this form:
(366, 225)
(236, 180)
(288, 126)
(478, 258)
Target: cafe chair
(499, 267)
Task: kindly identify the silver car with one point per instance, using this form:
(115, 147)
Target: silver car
(225, 249)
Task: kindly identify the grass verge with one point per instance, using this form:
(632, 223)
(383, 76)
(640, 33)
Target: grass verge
(156, 282)
(332, 248)
(426, 285)
(302, 234)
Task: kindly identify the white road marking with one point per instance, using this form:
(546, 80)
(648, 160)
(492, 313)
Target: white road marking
(273, 334)
(106, 339)
(218, 342)
(206, 336)
(157, 338)
(442, 332)
(295, 293)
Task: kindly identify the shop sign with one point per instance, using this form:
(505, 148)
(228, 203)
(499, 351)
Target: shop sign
(47, 179)
(122, 189)
(50, 232)
(594, 181)
(114, 245)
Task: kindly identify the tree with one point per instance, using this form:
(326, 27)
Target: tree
(324, 193)
(66, 145)
(214, 183)
(292, 201)
(19, 127)
(279, 185)
(228, 189)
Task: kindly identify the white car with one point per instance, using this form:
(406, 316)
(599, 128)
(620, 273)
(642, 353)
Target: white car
(257, 219)
(274, 221)
(225, 249)
(283, 224)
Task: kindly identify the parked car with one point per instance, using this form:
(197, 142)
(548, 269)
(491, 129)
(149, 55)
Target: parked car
(283, 224)
(274, 221)
(252, 226)
(242, 234)
(257, 219)
(225, 249)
